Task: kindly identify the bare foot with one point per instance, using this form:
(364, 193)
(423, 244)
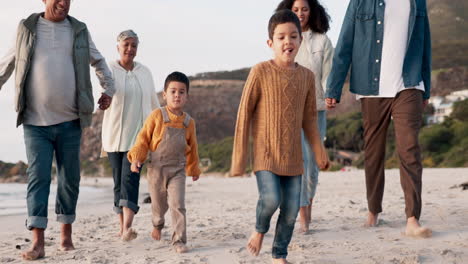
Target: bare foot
(303, 220)
(121, 222)
(372, 220)
(33, 253)
(309, 211)
(414, 229)
(66, 243)
(304, 227)
(280, 261)
(180, 247)
(156, 234)
(129, 235)
(37, 249)
(255, 243)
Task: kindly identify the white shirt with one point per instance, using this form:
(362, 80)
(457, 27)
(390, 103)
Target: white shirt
(134, 99)
(394, 47)
(50, 86)
(132, 112)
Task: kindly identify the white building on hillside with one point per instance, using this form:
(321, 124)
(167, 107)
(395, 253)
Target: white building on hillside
(443, 105)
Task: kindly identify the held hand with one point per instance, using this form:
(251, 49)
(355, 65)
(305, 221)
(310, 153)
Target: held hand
(425, 103)
(136, 165)
(195, 178)
(325, 166)
(330, 102)
(104, 101)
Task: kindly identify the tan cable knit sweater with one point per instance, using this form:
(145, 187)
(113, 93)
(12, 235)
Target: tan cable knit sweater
(276, 103)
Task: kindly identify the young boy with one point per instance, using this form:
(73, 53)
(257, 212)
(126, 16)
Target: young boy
(277, 102)
(169, 134)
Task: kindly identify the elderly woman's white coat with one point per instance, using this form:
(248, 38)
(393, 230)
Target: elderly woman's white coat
(117, 136)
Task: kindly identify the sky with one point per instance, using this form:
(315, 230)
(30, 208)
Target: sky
(190, 36)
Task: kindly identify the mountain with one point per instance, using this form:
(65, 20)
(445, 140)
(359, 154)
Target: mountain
(213, 104)
(10, 172)
(449, 30)
(215, 96)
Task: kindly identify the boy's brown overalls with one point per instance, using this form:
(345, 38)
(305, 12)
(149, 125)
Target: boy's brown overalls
(166, 179)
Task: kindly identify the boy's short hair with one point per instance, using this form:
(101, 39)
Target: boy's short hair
(177, 77)
(282, 17)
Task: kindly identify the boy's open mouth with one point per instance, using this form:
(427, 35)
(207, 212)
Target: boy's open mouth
(288, 51)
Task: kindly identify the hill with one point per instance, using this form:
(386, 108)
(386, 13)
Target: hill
(10, 172)
(212, 103)
(215, 96)
(449, 29)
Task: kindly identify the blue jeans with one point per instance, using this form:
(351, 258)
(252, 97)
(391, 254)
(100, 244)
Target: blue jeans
(311, 170)
(41, 143)
(126, 182)
(283, 192)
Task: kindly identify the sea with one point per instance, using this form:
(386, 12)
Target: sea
(13, 197)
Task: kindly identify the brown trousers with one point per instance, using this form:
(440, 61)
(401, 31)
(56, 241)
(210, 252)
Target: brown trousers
(406, 111)
(166, 180)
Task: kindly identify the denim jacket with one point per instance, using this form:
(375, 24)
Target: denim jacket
(360, 46)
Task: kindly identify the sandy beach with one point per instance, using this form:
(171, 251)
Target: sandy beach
(221, 216)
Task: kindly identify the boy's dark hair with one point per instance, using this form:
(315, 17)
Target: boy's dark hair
(282, 17)
(177, 77)
(319, 20)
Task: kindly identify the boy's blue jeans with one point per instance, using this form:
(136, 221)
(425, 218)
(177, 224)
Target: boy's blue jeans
(283, 192)
(41, 143)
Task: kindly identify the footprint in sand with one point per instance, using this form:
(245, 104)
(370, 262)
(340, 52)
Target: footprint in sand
(238, 236)
(450, 256)
(406, 260)
(6, 260)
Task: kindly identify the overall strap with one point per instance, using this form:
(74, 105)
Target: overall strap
(187, 120)
(165, 115)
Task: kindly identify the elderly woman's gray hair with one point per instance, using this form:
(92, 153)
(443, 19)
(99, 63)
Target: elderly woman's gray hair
(127, 34)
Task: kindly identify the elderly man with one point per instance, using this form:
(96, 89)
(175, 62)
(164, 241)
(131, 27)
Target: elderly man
(54, 102)
(388, 46)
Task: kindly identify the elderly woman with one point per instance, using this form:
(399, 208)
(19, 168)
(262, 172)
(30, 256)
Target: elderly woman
(134, 99)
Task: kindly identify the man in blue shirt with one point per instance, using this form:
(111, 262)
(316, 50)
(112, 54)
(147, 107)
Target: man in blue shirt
(387, 44)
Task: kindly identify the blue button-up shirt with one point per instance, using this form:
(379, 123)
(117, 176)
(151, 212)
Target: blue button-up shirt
(360, 46)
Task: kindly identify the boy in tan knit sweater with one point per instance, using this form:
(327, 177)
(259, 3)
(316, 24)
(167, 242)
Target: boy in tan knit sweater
(169, 133)
(278, 101)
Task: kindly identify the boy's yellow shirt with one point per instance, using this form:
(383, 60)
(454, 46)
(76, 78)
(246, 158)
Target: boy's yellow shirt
(151, 134)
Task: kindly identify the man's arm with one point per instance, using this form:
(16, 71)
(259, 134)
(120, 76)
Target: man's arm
(427, 60)
(7, 66)
(343, 55)
(103, 74)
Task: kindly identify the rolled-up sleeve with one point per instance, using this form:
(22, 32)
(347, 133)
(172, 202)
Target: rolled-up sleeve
(427, 59)
(7, 65)
(343, 54)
